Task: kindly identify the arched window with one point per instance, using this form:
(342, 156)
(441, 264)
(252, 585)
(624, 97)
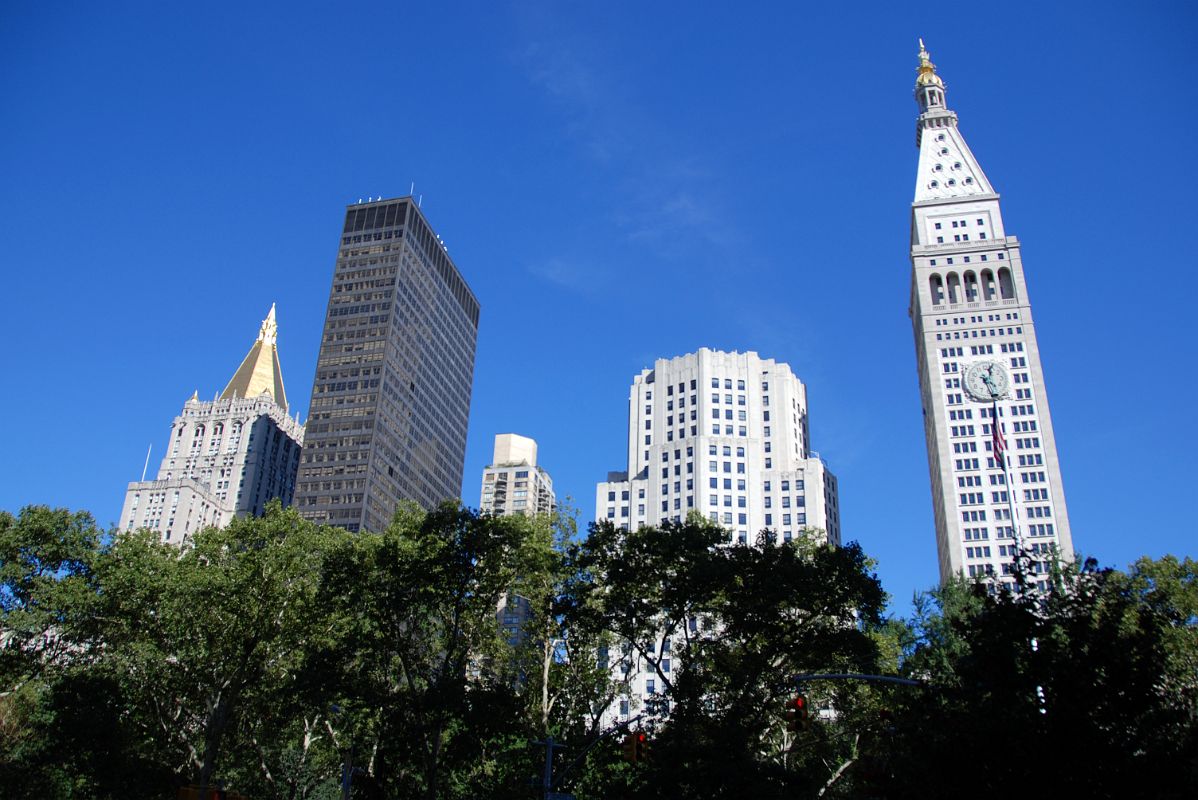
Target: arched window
(936, 286)
(989, 288)
(1005, 285)
(954, 288)
(971, 287)
(234, 436)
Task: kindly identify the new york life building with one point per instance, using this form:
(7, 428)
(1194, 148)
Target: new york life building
(726, 435)
(975, 342)
(226, 457)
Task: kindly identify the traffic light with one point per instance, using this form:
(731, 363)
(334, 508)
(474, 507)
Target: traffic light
(636, 747)
(629, 748)
(642, 747)
(798, 715)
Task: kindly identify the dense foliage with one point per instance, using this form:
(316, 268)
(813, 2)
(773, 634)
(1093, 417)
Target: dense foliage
(430, 658)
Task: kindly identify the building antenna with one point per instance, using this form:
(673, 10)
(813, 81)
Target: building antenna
(419, 201)
(147, 466)
(412, 189)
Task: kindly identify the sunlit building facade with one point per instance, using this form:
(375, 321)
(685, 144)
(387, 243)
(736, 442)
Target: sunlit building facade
(513, 483)
(226, 457)
(977, 354)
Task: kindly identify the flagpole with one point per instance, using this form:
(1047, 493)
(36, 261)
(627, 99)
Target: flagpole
(1009, 478)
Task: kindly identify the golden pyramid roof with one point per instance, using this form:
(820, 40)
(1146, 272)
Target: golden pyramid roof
(260, 371)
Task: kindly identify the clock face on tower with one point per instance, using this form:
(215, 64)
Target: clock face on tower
(987, 381)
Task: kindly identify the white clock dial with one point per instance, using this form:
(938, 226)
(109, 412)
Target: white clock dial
(987, 381)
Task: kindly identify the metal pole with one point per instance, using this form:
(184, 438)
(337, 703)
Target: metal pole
(347, 774)
(547, 779)
(1012, 510)
(618, 727)
(831, 676)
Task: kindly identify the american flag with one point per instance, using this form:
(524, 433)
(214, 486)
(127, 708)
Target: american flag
(1000, 444)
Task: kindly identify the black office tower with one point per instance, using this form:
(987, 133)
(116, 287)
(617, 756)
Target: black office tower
(391, 399)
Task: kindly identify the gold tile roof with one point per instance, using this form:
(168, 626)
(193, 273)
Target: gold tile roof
(260, 371)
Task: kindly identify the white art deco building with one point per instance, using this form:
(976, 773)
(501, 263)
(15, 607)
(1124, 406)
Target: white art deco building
(513, 483)
(975, 340)
(226, 457)
(724, 434)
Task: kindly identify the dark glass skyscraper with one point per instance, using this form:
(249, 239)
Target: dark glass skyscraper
(391, 399)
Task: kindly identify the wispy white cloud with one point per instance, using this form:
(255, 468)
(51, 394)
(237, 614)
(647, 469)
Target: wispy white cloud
(588, 105)
(665, 199)
(566, 274)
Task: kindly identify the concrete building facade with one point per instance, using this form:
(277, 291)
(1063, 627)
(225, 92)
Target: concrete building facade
(978, 362)
(513, 483)
(226, 457)
(391, 399)
(726, 435)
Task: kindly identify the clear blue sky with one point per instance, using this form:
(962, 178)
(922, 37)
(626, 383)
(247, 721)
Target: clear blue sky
(167, 174)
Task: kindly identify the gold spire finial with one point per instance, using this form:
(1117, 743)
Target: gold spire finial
(269, 332)
(926, 69)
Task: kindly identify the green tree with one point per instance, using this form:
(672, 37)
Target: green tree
(431, 682)
(1089, 690)
(151, 665)
(47, 561)
(742, 621)
(52, 714)
(210, 642)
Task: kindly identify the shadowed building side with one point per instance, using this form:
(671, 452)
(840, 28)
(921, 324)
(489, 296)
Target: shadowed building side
(391, 399)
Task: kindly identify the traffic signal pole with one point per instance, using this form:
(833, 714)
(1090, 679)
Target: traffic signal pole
(547, 778)
(549, 783)
(834, 676)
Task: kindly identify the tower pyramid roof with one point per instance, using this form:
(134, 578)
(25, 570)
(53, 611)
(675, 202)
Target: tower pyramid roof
(947, 167)
(260, 371)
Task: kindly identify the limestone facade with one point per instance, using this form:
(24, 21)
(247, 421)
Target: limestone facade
(970, 310)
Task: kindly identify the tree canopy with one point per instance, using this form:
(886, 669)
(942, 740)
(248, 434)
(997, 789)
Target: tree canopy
(274, 656)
